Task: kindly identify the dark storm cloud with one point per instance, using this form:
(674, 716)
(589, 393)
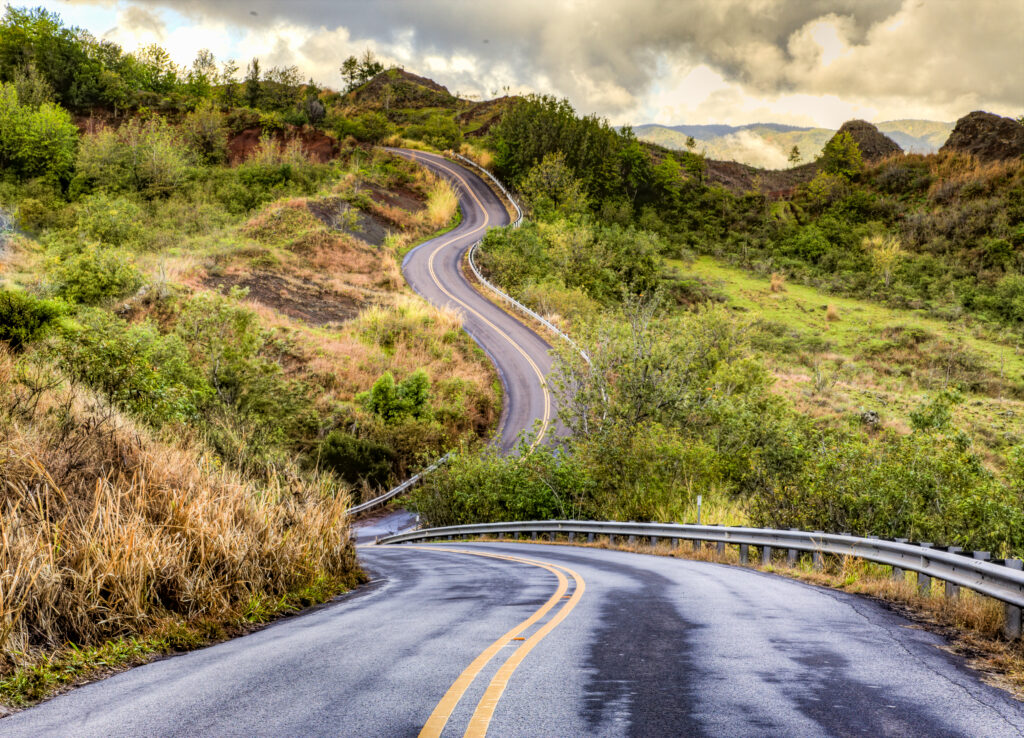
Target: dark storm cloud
(604, 54)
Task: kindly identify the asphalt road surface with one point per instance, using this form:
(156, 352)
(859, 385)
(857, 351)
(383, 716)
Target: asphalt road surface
(434, 270)
(629, 645)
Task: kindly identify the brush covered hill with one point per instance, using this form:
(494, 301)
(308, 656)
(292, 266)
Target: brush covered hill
(397, 88)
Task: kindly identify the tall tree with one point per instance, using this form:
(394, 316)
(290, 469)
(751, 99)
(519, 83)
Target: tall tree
(252, 83)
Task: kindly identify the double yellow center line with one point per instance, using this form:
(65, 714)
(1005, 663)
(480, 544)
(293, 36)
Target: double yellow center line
(545, 419)
(481, 718)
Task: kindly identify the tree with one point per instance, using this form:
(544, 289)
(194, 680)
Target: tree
(205, 133)
(281, 88)
(203, 74)
(229, 82)
(253, 91)
(315, 110)
(841, 156)
(369, 67)
(886, 254)
(794, 155)
(350, 73)
(553, 190)
(691, 143)
(158, 71)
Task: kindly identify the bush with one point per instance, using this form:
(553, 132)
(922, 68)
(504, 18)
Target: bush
(111, 220)
(440, 131)
(24, 318)
(206, 134)
(395, 402)
(35, 141)
(96, 275)
(138, 369)
(145, 157)
(356, 459)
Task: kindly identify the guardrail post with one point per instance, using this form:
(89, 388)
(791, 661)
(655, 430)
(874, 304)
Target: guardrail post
(697, 544)
(590, 537)
(952, 589)
(924, 582)
(572, 536)
(533, 536)
(897, 572)
(816, 558)
(632, 540)
(792, 554)
(675, 544)
(982, 555)
(744, 553)
(720, 548)
(1012, 624)
(766, 555)
(654, 541)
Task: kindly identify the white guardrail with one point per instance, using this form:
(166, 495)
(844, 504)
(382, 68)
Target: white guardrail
(497, 290)
(395, 491)
(1002, 580)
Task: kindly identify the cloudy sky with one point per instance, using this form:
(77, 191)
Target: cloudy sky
(807, 62)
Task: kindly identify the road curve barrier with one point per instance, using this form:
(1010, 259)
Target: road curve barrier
(395, 491)
(1002, 580)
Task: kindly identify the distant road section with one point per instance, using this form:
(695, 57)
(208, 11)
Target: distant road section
(434, 270)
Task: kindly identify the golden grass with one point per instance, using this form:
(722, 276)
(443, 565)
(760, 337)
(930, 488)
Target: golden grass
(106, 533)
(778, 282)
(442, 202)
(831, 313)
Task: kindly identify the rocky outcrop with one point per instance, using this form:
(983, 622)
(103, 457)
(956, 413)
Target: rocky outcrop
(986, 136)
(873, 144)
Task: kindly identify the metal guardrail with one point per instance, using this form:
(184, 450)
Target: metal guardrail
(1003, 581)
(395, 491)
(499, 185)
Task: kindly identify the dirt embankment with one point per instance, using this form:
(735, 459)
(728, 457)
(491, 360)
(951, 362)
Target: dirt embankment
(318, 145)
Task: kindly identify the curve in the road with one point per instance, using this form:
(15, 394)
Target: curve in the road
(434, 270)
(658, 646)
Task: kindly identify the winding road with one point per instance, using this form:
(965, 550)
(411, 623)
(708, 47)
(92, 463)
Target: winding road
(520, 639)
(434, 270)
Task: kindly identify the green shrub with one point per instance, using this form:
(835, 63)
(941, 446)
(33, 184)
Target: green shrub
(440, 131)
(206, 134)
(356, 459)
(395, 401)
(145, 157)
(35, 141)
(139, 369)
(110, 220)
(96, 275)
(24, 318)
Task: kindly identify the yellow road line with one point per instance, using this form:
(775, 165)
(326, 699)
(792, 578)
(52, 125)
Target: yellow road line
(482, 716)
(481, 720)
(546, 417)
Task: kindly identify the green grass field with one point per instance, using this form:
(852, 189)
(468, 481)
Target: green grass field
(841, 357)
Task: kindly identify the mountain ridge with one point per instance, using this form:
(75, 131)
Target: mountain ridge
(768, 144)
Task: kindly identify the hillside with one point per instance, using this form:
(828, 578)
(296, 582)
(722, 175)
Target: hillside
(768, 145)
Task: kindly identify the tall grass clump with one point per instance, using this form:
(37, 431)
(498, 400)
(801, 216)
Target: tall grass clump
(106, 533)
(442, 202)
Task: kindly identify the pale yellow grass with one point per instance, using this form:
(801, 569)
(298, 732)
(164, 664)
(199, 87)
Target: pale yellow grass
(442, 202)
(106, 532)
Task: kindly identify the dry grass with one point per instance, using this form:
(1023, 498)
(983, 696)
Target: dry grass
(831, 313)
(778, 282)
(973, 623)
(442, 202)
(107, 533)
(481, 156)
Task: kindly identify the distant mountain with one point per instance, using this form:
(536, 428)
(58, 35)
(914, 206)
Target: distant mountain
(767, 145)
